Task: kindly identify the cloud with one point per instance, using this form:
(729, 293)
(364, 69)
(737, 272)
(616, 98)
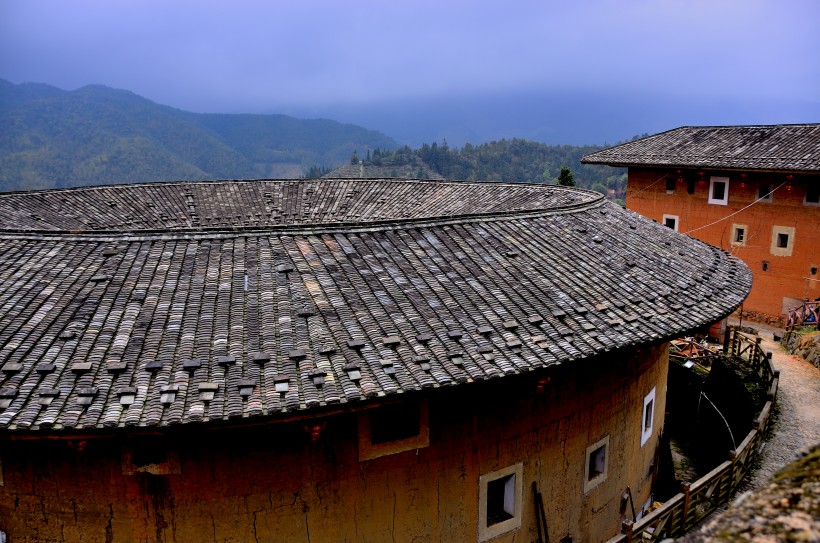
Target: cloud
(257, 56)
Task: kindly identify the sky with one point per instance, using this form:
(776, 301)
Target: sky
(581, 71)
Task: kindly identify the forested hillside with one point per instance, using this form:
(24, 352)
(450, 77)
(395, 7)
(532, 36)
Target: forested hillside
(513, 160)
(95, 135)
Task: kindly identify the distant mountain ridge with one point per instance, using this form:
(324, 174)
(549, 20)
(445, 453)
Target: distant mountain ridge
(97, 135)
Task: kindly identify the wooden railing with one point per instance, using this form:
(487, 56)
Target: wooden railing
(807, 314)
(697, 500)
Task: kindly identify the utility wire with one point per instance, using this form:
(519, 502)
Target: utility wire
(765, 197)
(734, 446)
(649, 186)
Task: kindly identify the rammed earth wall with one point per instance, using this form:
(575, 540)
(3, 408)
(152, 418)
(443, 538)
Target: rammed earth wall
(273, 482)
(782, 278)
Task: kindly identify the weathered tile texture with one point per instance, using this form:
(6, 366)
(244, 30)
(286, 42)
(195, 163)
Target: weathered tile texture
(794, 147)
(290, 295)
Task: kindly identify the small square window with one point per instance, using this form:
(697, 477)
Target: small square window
(670, 185)
(812, 194)
(648, 417)
(739, 234)
(597, 461)
(394, 423)
(393, 428)
(764, 192)
(782, 240)
(719, 190)
(671, 221)
(152, 455)
(500, 497)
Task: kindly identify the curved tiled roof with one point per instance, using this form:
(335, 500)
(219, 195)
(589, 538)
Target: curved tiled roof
(263, 204)
(791, 148)
(275, 297)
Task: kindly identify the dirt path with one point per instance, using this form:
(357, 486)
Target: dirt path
(797, 415)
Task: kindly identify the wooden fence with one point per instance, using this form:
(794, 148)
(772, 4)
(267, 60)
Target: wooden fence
(697, 500)
(807, 314)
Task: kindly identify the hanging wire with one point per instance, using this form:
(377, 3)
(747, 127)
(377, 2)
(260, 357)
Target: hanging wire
(649, 186)
(736, 212)
(731, 436)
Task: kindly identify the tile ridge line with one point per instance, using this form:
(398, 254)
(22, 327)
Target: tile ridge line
(296, 229)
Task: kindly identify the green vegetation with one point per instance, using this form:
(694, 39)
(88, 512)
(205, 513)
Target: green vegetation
(565, 179)
(516, 160)
(97, 135)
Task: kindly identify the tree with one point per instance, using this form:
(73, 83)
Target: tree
(354, 158)
(565, 178)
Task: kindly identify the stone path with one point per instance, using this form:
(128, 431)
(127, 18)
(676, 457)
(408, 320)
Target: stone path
(797, 417)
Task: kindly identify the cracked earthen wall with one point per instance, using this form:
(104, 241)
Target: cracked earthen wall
(273, 483)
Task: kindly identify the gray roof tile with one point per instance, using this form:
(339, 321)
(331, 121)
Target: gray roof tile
(378, 298)
(792, 147)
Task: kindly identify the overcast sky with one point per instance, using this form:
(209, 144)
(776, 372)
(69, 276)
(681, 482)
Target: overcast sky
(312, 57)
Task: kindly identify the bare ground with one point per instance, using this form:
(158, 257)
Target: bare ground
(796, 425)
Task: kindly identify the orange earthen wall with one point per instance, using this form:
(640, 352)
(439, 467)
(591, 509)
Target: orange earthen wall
(785, 276)
(273, 483)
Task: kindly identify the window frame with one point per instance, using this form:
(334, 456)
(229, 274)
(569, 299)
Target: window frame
(153, 454)
(486, 532)
(713, 180)
(649, 404)
(596, 479)
(369, 450)
(776, 249)
(806, 201)
(675, 218)
(768, 193)
(745, 229)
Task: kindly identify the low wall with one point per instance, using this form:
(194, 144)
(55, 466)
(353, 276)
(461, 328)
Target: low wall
(778, 321)
(806, 345)
(307, 480)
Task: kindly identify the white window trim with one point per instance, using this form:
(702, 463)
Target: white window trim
(589, 484)
(648, 403)
(735, 228)
(722, 201)
(768, 197)
(485, 532)
(806, 199)
(676, 218)
(782, 251)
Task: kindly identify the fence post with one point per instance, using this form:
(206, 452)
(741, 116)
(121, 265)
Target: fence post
(758, 351)
(726, 338)
(686, 497)
(769, 370)
(733, 460)
(626, 527)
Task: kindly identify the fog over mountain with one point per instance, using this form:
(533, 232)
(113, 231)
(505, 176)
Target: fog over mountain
(556, 118)
(584, 72)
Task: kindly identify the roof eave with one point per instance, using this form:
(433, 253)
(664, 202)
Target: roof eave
(689, 166)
